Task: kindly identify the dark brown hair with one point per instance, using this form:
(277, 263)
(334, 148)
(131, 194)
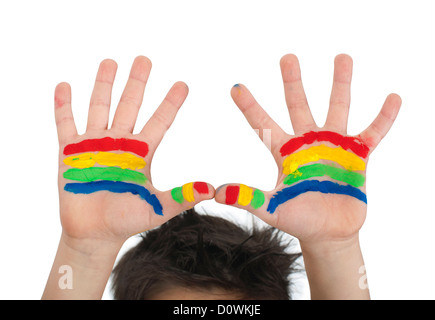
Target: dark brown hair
(199, 251)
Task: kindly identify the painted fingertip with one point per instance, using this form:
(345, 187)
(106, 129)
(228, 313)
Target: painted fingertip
(201, 187)
(187, 191)
(243, 195)
(221, 187)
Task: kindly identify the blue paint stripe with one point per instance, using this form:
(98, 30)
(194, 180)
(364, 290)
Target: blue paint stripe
(117, 187)
(313, 185)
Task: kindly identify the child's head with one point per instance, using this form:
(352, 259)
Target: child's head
(196, 256)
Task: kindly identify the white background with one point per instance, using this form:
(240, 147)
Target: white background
(211, 45)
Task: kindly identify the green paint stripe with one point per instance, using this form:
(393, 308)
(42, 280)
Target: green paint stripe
(177, 194)
(318, 170)
(257, 199)
(108, 173)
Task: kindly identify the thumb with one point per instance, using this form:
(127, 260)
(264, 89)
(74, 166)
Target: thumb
(189, 194)
(244, 197)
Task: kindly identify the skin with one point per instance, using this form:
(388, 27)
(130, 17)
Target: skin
(95, 226)
(327, 225)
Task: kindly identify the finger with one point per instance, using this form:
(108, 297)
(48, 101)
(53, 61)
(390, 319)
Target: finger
(186, 196)
(66, 128)
(99, 106)
(383, 122)
(245, 197)
(268, 130)
(340, 95)
(300, 114)
(162, 119)
(131, 99)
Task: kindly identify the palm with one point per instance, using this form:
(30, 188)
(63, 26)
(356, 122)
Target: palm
(313, 215)
(123, 201)
(105, 213)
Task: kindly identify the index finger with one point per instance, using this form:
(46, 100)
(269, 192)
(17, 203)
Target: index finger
(258, 118)
(162, 119)
(378, 129)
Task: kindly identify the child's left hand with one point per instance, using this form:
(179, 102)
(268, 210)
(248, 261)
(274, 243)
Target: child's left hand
(105, 187)
(324, 214)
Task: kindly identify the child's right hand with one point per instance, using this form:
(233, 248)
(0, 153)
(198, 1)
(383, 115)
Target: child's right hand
(320, 193)
(312, 217)
(105, 195)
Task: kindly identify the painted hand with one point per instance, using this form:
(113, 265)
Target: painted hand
(105, 186)
(321, 191)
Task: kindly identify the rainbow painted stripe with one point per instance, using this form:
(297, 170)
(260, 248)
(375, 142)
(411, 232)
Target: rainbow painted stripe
(289, 193)
(185, 192)
(108, 144)
(348, 143)
(109, 173)
(298, 174)
(119, 171)
(123, 160)
(116, 187)
(244, 196)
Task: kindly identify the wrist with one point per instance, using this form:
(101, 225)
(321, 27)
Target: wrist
(81, 268)
(335, 269)
(330, 248)
(88, 248)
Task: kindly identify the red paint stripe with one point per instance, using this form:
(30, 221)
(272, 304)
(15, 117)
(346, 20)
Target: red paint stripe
(349, 143)
(232, 193)
(201, 187)
(108, 144)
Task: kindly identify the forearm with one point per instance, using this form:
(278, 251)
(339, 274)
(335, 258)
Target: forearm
(81, 271)
(335, 270)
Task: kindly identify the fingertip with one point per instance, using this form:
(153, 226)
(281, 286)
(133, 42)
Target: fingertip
(62, 86)
(182, 86)
(290, 68)
(289, 60)
(62, 94)
(143, 60)
(193, 192)
(220, 195)
(204, 189)
(241, 95)
(343, 58)
(240, 195)
(110, 63)
(392, 106)
(177, 94)
(395, 98)
(141, 68)
(107, 71)
(236, 90)
(343, 65)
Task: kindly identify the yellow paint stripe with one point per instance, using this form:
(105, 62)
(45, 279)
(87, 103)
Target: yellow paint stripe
(187, 191)
(348, 160)
(245, 195)
(123, 160)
